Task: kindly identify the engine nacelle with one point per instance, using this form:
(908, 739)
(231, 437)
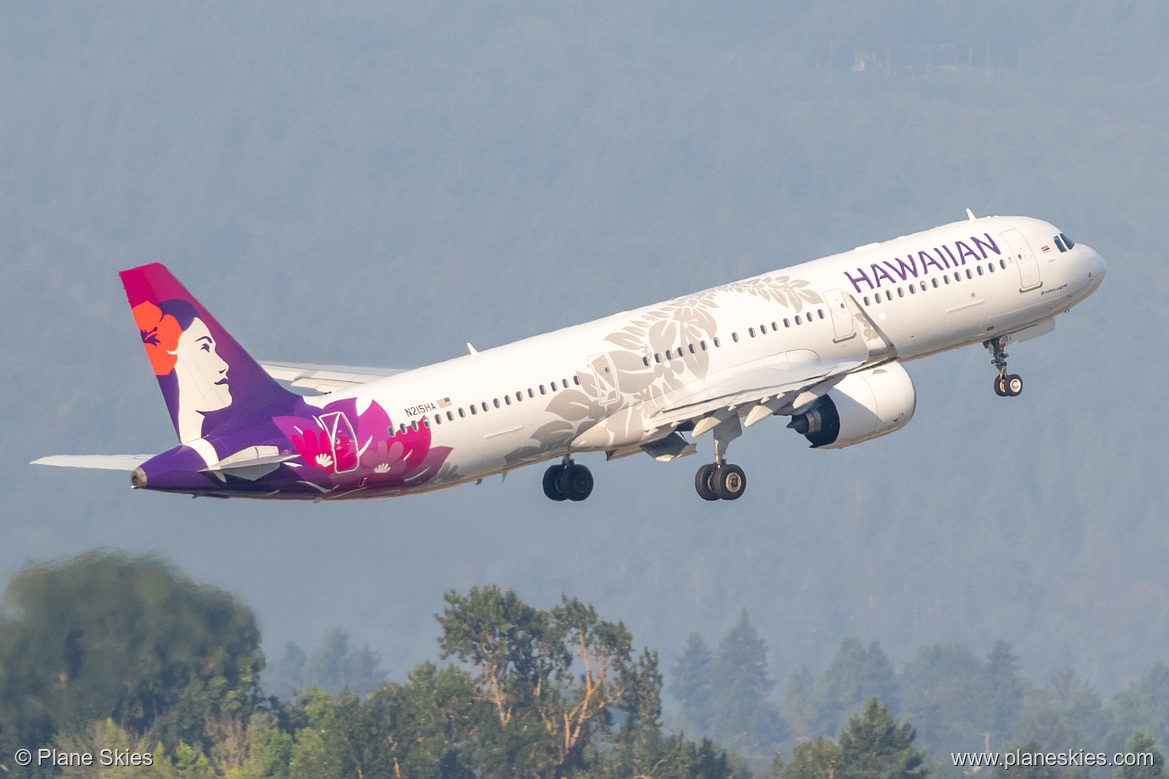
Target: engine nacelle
(864, 405)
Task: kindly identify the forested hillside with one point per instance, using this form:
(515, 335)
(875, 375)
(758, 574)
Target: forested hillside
(378, 184)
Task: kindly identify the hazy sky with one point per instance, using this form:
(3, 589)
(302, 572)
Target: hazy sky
(366, 184)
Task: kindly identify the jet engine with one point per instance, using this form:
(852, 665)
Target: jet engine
(864, 405)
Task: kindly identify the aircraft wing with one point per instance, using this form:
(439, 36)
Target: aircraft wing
(753, 393)
(108, 462)
(324, 378)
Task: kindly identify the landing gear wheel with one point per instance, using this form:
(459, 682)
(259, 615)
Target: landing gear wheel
(552, 483)
(704, 482)
(1013, 385)
(1000, 386)
(730, 482)
(575, 482)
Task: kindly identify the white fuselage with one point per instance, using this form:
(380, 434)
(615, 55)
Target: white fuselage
(537, 399)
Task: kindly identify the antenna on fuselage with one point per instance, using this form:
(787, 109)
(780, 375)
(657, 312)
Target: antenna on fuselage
(970, 214)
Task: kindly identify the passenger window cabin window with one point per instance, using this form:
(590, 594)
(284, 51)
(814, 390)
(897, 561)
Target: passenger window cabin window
(462, 413)
(888, 294)
(923, 286)
(934, 281)
(751, 330)
(414, 425)
(519, 396)
(702, 344)
(900, 292)
(979, 270)
(474, 410)
(576, 380)
(507, 399)
(402, 428)
(495, 401)
(715, 342)
(657, 357)
(485, 409)
(787, 322)
(1003, 264)
(990, 267)
(866, 300)
(798, 320)
(912, 289)
(564, 383)
(450, 416)
(531, 394)
(735, 337)
(552, 385)
(542, 390)
(763, 329)
(957, 276)
(645, 361)
(438, 419)
(775, 327)
(820, 312)
(945, 279)
(969, 275)
(692, 348)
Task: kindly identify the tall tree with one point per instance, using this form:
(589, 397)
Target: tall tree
(1003, 691)
(854, 676)
(553, 680)
(798, 706)
(690, 683)
(743, 718)
(115, 636)
(875, 746)
(1148, 758)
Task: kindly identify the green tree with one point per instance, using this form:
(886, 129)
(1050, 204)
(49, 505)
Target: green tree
(798, 706)
(743, 719)
(115, 636)
(876, 746)
(941, 689)
(854, 676)
(552, 679)
(690, 684)
(1142, 745)
(1003, 691)
(819, 759)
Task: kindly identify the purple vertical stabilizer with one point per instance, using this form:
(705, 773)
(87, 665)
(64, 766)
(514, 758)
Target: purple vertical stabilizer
(210, 384)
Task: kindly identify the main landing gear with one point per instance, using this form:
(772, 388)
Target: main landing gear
(568, 481)
(720, 480)
(1006, 385)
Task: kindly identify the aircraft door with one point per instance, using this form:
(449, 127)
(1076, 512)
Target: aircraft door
(605, 376)
(1028, 267)
(842, 323)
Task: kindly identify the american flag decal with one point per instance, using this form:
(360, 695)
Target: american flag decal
(1046, 249)
(444, 402)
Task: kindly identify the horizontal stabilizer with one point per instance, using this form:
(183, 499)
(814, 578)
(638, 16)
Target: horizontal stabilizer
(223, 466)
(106, 462)
(324, 378)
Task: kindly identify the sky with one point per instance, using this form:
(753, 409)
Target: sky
(378, 184)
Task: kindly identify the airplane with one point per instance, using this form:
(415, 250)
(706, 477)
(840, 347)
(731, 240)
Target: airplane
(822, 343)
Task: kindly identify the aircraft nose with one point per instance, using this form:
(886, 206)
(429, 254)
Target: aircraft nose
(1095, 266)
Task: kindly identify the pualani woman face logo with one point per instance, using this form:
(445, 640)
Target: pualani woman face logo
(179, 344)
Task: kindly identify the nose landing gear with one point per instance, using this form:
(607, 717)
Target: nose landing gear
(1006, 385)
(568, 481)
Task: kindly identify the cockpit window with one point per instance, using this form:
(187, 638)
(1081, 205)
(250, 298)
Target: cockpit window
(1059, 243)
(1067, 241)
